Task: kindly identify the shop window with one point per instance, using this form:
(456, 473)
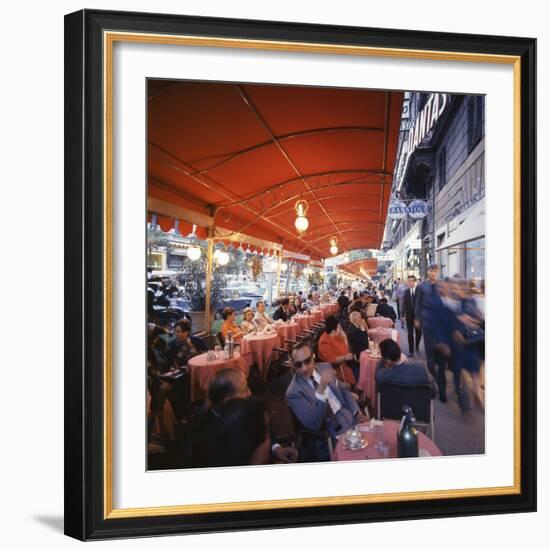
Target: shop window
(475, 121)
(475, 263)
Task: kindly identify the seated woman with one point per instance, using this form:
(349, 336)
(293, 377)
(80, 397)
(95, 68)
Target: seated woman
(333, 348)
(248, 326)
(180, 348)
(298, 306)
(357, 334)
(229, 325)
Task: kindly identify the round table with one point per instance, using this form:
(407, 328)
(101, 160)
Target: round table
(202, 371)
(380, 333)
(258, 348)
(376, 322)
(367, 372)
(387, 432)
(318, 315)
(303, 322)
(286, 332)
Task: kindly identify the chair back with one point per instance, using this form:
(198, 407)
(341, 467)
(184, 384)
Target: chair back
(393, 397)
(221, 339)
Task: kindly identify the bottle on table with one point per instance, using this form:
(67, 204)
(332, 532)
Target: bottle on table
(407, 436)
(229, 346)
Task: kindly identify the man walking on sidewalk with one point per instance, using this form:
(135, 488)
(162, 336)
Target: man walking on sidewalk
(414, 333)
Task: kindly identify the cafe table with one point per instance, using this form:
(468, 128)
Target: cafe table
(380, 333)
(303, 321)
(368, 363)
(381, 439)
(286, 331)
(202, 370)
(377, 322)
(318, 315)
(258, 347)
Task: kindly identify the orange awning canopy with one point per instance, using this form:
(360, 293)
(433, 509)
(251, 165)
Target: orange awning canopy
(361, 268)
(245, 154)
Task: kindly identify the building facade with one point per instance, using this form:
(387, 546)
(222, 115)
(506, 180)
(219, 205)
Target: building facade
(441, 160)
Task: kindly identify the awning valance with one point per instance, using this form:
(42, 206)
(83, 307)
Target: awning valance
(471, 228)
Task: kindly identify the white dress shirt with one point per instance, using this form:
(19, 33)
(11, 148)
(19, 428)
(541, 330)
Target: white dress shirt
(327, 395)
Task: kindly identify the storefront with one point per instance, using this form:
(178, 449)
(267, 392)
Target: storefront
(461, 245)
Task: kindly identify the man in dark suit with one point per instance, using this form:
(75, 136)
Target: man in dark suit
(414, 333)
(227, 385)
(282, 312)
(319, 402)
(343, 303)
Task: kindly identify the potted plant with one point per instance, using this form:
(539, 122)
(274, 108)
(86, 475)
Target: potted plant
(192, 282)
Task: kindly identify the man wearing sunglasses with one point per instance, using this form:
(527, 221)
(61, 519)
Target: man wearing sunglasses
(319, 402)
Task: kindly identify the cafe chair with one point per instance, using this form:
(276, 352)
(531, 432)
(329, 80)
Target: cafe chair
(309, 443)
(279, 359)
(220, 339)
(393, 397)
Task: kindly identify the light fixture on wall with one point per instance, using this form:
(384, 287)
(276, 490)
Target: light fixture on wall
(301, 223)
(333, 246)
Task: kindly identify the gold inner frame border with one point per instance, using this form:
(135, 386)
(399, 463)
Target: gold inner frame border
(109, 39)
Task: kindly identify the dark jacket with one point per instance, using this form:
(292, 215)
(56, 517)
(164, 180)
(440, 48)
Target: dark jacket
(409, 304)
(404, 373)
(358, 340)
(281, 314)
(385, 310)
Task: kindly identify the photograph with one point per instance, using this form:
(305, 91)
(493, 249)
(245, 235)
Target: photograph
(315, 274)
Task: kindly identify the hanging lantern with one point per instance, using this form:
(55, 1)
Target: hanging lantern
(284, 267)
(333, 246)
(301, 223)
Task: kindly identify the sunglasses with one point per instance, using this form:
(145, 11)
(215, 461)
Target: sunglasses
(306, 361)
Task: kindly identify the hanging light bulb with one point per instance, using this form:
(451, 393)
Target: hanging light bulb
(284, 267)
(333, 246)
(193, 253)
(301, 223)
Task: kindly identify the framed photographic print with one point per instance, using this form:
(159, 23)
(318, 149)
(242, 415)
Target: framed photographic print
(300, 282)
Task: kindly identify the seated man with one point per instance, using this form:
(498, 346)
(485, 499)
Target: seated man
(283, 311)
(385, 310)
(317, 400)
(228, 384)
(395, 368)
(261, 318)
(241, 436)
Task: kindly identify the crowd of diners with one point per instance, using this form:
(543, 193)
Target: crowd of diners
(232, 426)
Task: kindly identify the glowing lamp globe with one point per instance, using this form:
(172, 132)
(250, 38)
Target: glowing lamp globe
(193, 253)
(284, 267)
(222, 257)
(334, 250)
(301, 223)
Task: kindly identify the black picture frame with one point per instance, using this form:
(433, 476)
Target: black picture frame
(84, 282)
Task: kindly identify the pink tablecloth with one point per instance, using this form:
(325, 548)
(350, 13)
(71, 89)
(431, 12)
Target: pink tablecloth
(379, 334)
(286, 332)
(375, 322)
(258, 348)
(367, 371)
(388, 434)
(318, 315)
(202, 371)
(303, 322)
